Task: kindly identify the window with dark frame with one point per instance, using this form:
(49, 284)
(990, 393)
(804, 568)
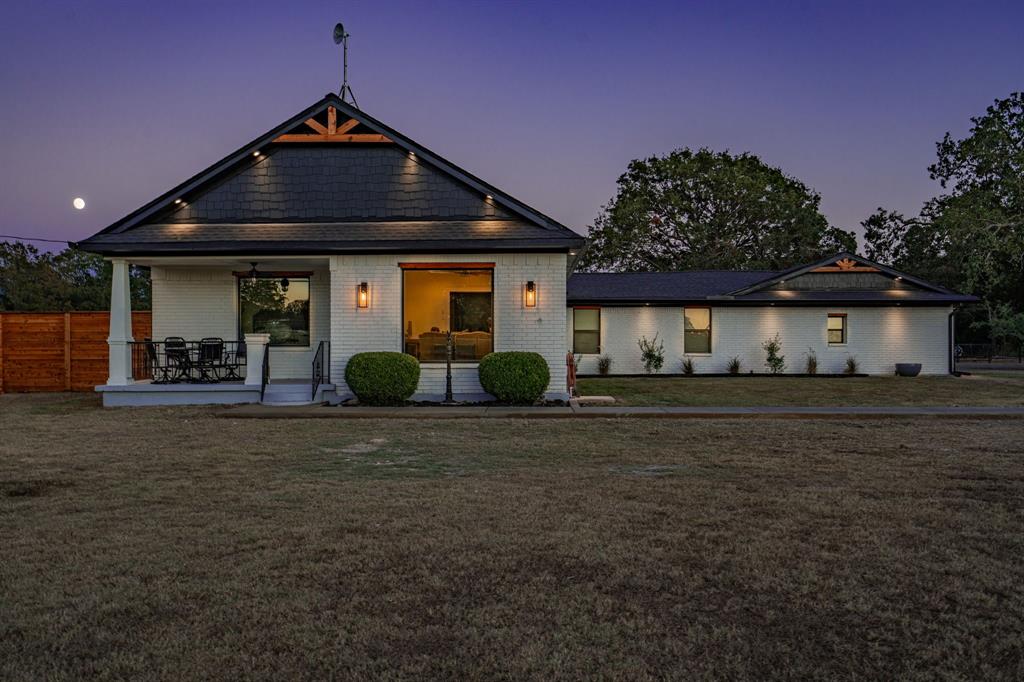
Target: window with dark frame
(696, 330)
(836, 329)
(586, 331)
(276, 305)
(438, 298)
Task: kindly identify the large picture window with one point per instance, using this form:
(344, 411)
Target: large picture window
(438, 300)
(586, 331)
(278, 306)
(697, 330)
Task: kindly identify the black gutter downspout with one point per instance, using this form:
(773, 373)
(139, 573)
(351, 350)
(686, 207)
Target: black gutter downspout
(952, 340)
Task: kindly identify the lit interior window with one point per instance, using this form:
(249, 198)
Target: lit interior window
(697, 331)
(586, 330)
(435, 302)
(836, 328)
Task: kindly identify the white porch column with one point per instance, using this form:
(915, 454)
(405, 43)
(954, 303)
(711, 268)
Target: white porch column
(120, 371)
(255, 347)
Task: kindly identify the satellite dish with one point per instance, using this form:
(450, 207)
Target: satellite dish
(341, 38)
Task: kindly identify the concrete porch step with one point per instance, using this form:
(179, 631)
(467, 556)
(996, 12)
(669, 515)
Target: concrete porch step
(291, 392)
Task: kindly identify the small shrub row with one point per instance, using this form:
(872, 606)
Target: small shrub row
(652, 355)
(391, 378)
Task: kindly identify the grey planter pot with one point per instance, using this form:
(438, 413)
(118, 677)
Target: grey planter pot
(908, 369)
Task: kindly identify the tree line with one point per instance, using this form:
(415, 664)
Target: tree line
(32, 280)
(714, 210)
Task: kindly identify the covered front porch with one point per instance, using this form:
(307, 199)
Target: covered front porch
(226, 330)
(239, 329)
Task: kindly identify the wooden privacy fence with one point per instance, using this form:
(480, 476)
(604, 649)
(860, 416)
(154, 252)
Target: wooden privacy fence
(58, 351)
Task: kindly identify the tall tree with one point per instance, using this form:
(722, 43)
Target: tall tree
(910, 244)
(971, 237)
(33, 280)
(709, 210)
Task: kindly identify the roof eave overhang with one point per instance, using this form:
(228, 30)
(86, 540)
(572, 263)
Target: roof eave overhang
(236, 248)
(708, 302)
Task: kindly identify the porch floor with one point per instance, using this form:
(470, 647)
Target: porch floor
(146, 393)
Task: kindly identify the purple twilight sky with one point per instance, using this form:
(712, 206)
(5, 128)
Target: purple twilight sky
(119, 102)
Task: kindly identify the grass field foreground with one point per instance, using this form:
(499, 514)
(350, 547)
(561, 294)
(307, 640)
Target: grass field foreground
(165, 543)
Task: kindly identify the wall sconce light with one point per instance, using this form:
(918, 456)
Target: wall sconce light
(253, 275)
(530, 298)
(363, 295)
(284, 284)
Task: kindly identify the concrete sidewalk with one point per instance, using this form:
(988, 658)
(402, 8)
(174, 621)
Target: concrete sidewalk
(498, 412)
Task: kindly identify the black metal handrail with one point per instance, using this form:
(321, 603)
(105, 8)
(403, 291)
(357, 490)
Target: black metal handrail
(321, 371)
(265, 379)
(175, 360)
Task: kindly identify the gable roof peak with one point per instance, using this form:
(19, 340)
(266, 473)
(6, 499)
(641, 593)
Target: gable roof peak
(239, 157)
(842, 261)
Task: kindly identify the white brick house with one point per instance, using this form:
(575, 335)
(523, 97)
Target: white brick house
(333, 234)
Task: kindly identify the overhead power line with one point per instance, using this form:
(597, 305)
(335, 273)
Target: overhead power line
(33, 239)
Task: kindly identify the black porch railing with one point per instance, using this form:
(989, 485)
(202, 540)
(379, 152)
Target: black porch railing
(265, 377)
(321, 367)
(175, 360)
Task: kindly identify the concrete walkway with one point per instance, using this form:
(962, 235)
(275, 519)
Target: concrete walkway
(496, 412)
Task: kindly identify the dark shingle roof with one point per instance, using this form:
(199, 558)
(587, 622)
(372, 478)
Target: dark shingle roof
(659, 286)
(300, 183)
(334, 237)
(718, 287)
(287, 195)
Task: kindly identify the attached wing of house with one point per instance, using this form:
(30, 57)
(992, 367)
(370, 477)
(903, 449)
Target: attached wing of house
(835, 309)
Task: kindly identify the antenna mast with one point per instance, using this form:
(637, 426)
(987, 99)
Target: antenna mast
(341, 38)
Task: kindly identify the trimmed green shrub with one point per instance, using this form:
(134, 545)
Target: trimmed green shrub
(515, 377)
(383, 377)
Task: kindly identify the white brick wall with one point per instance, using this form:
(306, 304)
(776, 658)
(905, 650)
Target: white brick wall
(877, 337)
(193, 302)
(379, 327)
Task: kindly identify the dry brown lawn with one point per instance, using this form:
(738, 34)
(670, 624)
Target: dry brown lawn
(165, 543)
(990, 389)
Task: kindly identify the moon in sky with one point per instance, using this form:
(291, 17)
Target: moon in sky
(78, 203)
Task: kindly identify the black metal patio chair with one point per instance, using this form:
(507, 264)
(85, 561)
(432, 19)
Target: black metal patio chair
(233, 360)
(161, 372)
(210, 359)
(178, 358)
